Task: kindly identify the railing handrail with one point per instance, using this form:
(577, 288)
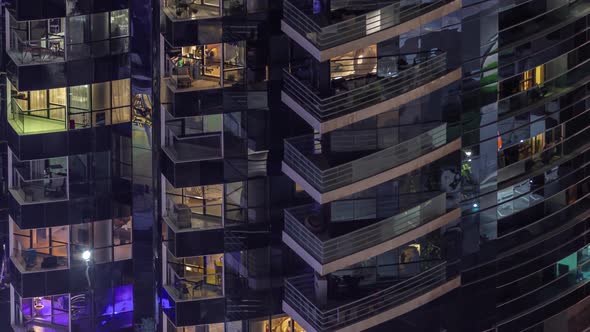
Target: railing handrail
(349, 243)
(431, 60)
(366, 95)
(195, 136)
(55, 107)
(22, 178)
(365, 24)
(337, 173)
(325, 318)
(400, 215)
(43, 248)
(434, 51)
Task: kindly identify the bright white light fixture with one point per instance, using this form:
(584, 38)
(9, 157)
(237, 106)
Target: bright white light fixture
(474, 205)
(468, 153)
(86, 255)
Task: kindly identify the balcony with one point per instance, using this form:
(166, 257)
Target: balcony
(52, 57)
(187, 22)
(328, 36)
(364, 307)
(31, 188)
(328, 250)
(186, 74)
(392, 82)
(190, 160)
(190, 10)
(26, 10)
(331, 176)
(41, 259)
(36, 121)
(191, 234)
(193, 290)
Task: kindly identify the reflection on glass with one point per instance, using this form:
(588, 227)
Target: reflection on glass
(41, 180)
(44, 41)
(201, 67)
(193, 278)
(40, 249)
(194, 207)
(192, 9)
(94, 105)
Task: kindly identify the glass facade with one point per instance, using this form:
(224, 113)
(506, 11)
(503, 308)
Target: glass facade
(295, 165)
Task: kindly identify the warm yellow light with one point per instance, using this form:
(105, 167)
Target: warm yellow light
(526, 80)
(417, 246)
(539, 74)
(188, 268)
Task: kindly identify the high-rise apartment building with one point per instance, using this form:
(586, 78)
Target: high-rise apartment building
(67, 115)
(295, 165)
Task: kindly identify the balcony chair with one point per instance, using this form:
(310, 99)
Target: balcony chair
(54, 189)
(198, 285)
(49, 262)
(183, 216)
(30, 257)
(181, 77)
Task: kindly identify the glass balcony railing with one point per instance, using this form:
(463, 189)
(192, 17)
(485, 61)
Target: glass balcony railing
(194, 147)
(53, 49)
(196, 288)
(40, 259)
(185, 218)
(35, 190)
(564, 281)
(327, 32)
(300, 295)
(97, 49)
(191, 9)
(50, 49)
(512, 239)
(33, 121)
(543, 24)
(299, 222)
(188, 282)
(197, 74)
(394, 76)
(300, 154)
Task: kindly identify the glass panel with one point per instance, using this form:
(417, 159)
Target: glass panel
(120, 23)
(121, 115)
(101, 96)
(121, 93)
(100, 26)
(123, 252)
(77, 28)
(79, 98)
(100, 119)
(37, 99)
(122, 231)
(57, 96)
(103, 236)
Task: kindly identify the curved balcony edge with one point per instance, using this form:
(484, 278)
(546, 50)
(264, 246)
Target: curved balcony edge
(342, 121)
(374, 180)
(383, 317)
(377, 37)
(378, 249)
